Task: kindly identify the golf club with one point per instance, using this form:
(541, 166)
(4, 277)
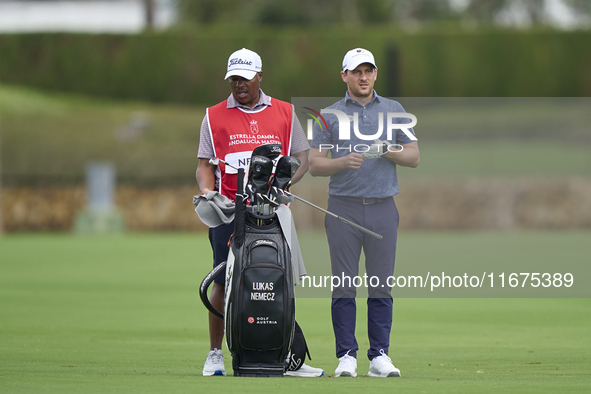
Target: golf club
(334, 215)
(215, 161)
(250, 188)
(272, 203)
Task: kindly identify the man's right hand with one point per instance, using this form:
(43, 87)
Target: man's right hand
(321, 165)
(353, 161)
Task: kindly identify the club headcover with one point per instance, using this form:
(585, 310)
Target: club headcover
(285, 170)
(271, 151)
(260, 171)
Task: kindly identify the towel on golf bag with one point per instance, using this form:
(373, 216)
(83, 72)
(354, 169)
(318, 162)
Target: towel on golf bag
(215, 209)
(289, 231)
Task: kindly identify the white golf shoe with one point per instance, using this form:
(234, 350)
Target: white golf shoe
(347, 366)
(382, 367)
(306, 371)
(214, 363)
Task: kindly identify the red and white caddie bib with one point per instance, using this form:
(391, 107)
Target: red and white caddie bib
(236, 132)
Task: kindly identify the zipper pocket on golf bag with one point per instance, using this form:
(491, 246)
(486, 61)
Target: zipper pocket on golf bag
(263, 297)
(263, 302)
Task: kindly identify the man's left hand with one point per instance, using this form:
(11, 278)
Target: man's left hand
(376, 150)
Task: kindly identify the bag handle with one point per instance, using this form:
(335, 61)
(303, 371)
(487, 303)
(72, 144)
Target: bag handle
(205, 285)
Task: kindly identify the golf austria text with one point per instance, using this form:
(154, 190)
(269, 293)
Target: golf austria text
(345, 128)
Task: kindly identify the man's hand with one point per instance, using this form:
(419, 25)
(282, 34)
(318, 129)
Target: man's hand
(377, 149)
(321, 165)
(408, 155)
(353, 161)
(380, 148)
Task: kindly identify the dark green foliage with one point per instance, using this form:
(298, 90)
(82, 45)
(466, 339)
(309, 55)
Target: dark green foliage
(189, 66)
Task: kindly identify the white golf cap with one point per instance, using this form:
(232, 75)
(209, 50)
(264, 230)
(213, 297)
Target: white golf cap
(244, 63)
(357, 56)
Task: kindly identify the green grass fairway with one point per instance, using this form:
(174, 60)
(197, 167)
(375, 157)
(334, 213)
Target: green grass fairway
(122, 314)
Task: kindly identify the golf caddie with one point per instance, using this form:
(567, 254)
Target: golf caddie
(363, 181)
(230, 131)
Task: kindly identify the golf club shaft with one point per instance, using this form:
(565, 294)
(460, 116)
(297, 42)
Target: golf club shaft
(229, 165)
(334, 215)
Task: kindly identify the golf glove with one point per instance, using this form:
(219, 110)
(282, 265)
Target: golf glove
(376, 150)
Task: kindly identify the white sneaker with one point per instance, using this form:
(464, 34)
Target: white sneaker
(347, 366)
(306, 371)
(382, 367)
(214, 363)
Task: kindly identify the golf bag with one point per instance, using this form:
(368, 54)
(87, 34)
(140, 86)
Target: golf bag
(259, 310)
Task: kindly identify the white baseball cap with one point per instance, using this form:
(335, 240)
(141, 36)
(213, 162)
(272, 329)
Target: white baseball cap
(357, 56)
(244, 63)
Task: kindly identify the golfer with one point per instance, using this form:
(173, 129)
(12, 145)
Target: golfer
(362, 184)
(230, 131)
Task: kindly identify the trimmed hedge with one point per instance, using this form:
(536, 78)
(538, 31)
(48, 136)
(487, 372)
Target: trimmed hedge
(189, 67)
(444, 204)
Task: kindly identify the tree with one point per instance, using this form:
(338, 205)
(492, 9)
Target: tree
(149, 13)
(364, 12)
(579, 6)
(484, 10)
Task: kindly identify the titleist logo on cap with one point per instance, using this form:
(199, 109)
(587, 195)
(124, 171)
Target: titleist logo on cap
(239, 61)
(244, 63)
